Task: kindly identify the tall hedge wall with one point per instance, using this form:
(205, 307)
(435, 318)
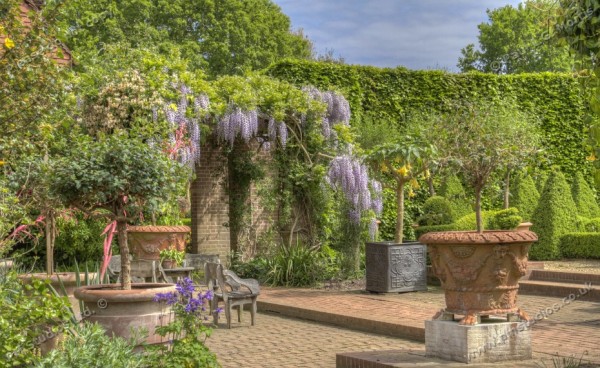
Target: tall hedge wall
(390, 93)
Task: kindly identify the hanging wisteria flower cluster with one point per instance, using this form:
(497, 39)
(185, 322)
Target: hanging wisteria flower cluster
(352, 177)
(184, 139)
(338, 109)
(237, 121)
(276, 129)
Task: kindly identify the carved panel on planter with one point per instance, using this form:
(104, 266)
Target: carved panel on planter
(393, 267)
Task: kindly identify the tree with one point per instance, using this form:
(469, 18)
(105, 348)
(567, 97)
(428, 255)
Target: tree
(224, 36)
(517, 40)
(478, 139)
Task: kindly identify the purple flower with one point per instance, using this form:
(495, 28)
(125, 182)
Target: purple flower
(185, 287)
(170, 298)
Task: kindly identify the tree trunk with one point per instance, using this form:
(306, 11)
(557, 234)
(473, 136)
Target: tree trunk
(50, 239)
(478, 210)
(507, 189)
(431, 188)
(124, 250)
(399, 212)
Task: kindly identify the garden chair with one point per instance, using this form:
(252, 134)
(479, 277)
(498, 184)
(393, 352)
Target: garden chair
(232, 290)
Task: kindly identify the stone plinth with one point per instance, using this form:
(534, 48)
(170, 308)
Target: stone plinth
(488, 342)
(393, 267)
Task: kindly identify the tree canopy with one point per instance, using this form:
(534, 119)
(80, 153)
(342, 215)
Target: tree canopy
(223, 37)
(517, 40)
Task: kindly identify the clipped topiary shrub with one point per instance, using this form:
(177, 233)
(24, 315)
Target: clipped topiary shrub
(540, 181)
(580, 245)
(452, 189)
(525, 196)
(584, 197)
(592, 225)
(555, 216)
(437, 210)
(581, 224)
(507, 219)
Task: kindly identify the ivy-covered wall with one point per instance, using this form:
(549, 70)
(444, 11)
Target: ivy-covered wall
(389, 93)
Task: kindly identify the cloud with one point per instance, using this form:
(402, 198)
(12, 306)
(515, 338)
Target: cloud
(418, 34)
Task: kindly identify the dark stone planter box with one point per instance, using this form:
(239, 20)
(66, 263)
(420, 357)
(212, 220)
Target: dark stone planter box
(394, 268)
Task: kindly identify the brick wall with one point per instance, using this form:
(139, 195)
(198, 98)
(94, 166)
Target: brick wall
(210, 205)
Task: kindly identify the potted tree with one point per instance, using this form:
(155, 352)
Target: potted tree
(400, 266)
(479, 270)
(121, 175)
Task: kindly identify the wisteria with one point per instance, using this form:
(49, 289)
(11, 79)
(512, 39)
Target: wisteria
(237, 121)
(338, 109)
(275, 129)
(377, 203)
(184, 140)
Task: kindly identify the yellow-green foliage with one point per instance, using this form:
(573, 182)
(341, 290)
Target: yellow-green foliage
(493, 220)
(584, 197)
(555, 216)
(387, 94)
(524, 196)
(580, 245)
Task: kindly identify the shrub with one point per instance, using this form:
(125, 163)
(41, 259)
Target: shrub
(525, 196)
(79, 238)
(580, 245)
(507, 219)
(554, 216)
(437, 210)
(540, 181)
(297, 266)
(584, 197)
(593, 225)
(452, 189)
(87, 345)
(29, 313)
(581, 224)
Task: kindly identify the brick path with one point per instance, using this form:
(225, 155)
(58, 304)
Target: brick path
(284, 342)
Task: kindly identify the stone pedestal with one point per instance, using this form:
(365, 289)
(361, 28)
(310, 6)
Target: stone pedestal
(488, 342)
(393, 267)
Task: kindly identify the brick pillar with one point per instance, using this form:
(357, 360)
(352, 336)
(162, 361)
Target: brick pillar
(210, 209)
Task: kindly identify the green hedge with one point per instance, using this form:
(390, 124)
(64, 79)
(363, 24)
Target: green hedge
(525, 196)
(555, 216)
(584, 197)
(580, 245)
(388, 94)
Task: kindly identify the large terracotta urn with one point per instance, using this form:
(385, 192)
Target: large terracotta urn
(146, 242)
(479, 272)
(122, 312)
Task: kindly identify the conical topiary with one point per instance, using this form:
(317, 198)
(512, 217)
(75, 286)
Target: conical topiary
(555, 215)
(452, 189)
(584, 197)
(525, 196)
(540, 181)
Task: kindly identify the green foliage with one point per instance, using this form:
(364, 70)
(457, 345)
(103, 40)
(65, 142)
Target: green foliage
(554, 216)
(114, 173)
(580, 245)
(225, 36)
(437, 210)
(507, 219)
(525, 196)
(592, 225)
(88, 345)
(297, 266)
(12, 212)
(29, 313)
(387, 227)
(172, 254)
(78, 238)
(516, 40)
(584, 197)
(452, 189)
(387, 94)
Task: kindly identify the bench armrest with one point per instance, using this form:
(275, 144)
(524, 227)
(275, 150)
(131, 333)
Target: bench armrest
(235, 282)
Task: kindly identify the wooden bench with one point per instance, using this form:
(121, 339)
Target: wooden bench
(142, 270)
(232, 290)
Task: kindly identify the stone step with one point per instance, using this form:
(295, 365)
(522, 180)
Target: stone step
(564, 277)
(583, 290)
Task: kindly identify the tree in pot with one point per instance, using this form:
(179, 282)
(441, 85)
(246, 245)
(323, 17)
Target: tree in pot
(480, 270)
(398, 267)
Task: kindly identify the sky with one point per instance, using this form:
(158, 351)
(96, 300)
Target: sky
(417, 34)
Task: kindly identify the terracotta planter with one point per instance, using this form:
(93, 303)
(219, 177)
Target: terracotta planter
(169, 264)
(118, 311)
(479, 272)
(146, 242)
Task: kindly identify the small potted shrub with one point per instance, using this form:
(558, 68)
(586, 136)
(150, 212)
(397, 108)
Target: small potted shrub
(480, 270)
(171, 258)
